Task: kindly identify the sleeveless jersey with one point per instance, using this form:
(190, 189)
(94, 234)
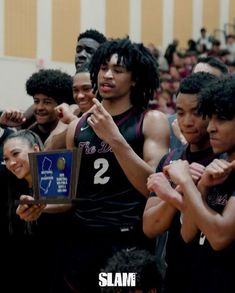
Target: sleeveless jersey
(215, 269)
(105, 197)
(178, 253)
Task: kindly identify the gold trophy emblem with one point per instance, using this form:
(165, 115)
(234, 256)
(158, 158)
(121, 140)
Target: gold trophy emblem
(61, 163)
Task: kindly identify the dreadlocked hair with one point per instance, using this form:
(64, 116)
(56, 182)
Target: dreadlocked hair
(137, 59)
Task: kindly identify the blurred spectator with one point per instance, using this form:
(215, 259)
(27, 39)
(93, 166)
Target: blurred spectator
(170, 50)
(224, 55)
(215, 48)
(162, 62)
(189, 60)
(192, 46)
(165, 102)
(230, 45)
(204, 40)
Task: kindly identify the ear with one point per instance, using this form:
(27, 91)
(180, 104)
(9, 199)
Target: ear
(36, 148)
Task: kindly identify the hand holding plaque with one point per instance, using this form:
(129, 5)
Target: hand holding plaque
(55, 175)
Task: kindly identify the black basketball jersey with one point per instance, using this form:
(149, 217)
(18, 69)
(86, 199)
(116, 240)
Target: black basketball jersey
(178, 253)
(105, 196)
(214, 271)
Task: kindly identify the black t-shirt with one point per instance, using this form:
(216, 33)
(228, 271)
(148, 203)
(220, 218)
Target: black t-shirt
(43, 135)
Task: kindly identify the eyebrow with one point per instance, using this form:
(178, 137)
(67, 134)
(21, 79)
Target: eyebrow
(119, 65)
(85, 46)
(180, 108)
(15, 149)
(43, 99)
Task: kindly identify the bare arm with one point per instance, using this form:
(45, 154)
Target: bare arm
(57, 141)
(194, 171)
(160, 210)
(218, 228)
(157, 216)
(189, 229)
(156, 142)
(57, 138)
(70, 134)
(157, 139)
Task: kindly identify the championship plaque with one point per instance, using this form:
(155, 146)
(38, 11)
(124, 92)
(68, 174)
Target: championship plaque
(55, 175)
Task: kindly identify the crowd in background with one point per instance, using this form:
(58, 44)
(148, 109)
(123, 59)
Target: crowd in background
(176, 63)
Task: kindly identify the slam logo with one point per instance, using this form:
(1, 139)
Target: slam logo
(117, 279)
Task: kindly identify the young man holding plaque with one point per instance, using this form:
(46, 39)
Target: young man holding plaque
(122, 144)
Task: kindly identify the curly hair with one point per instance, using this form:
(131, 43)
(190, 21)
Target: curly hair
(92, 34)
(219, 98)
(139, 261)
(51, 83)
(195, 82)
(137, 59)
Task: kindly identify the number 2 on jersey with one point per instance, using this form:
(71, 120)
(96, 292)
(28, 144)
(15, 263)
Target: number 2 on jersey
(102, 165)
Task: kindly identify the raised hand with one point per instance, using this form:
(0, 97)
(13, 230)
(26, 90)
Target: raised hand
(216, 172)
(196, 171)
(102, 123)
(12, 118)
(159, 184)
(178, 171)
(66, 112)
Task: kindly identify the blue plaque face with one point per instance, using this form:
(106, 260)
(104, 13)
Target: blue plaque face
(54, 174)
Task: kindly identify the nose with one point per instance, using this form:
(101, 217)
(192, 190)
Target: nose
(82, 54)
(10, 163)
(211, 126)
(188, 121)
(80, 94)
(108, 74)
